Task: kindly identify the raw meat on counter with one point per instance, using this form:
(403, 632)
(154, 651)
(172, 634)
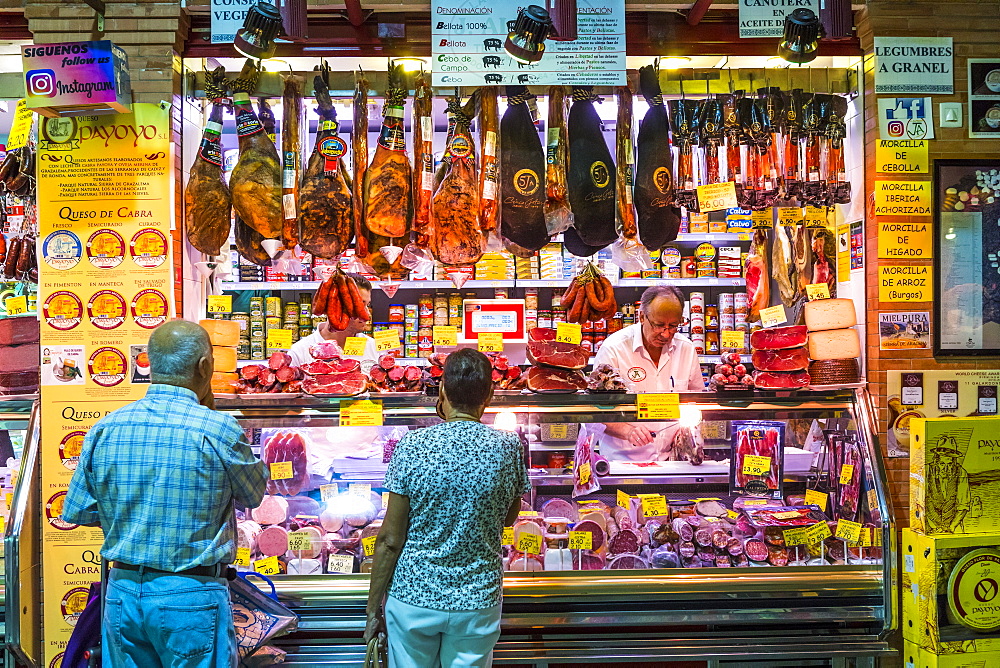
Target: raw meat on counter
(330, 374)
(781, 380)
(506, 376)
(543, 349)
(555, 381)
(792, 359)
(278, 376)
(286, 447)
(387, 376)
(779, 338)
(604, 378)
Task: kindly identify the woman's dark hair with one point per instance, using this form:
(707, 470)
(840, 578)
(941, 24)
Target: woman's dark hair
(468, 377)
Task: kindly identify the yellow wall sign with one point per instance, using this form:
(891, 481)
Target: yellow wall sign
(623, 499)
(360, 413)
(900, 156)
(756, 465)
(905, 240)
(733, 339)
(267, 566)
(904, 283)
(762, 219)
(717, 196)
(814, 497)
(653, 505)
(657, 406)
(507, 537)
(490, 342)
(903, 198)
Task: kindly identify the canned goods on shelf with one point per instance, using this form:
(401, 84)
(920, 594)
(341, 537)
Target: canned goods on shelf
(272, 307)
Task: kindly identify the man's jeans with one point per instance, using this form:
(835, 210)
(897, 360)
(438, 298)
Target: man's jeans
(173, 621)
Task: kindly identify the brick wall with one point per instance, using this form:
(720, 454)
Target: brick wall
(971, 25)
(152, 33)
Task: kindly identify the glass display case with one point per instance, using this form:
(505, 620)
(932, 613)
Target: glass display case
(755, 527)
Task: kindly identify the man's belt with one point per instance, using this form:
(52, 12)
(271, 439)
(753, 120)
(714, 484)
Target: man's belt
(216, 571)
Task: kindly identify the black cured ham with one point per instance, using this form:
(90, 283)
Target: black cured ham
(658, 220)
(591, 173)
(522, 164)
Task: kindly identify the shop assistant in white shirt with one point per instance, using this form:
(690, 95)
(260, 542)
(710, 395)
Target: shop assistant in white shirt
(677, 370)
(299, 352)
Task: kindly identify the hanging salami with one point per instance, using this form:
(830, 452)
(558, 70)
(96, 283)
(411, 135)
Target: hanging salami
(625, 173)
(388, 198)
(522, 162)
(291, 156)
(457, 239)
(359, 160)
(208, 204)
(591, 172)
(656, 217)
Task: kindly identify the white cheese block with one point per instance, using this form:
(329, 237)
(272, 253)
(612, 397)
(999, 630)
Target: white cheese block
(824, 314)
(834, 344)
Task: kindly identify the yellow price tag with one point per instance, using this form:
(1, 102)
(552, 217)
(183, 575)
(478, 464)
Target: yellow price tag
(773, 315)
(445, 335)
(267, 566)
(794, 536)
(581, 540)
(362, 489)
(220, 303)
(507, 538)
(756, 465)
(490, 342)
(865, 540)
(340, 563)
(846, 473)
(355, 346)
(386, 339)
(21, 126)
(814, 498)
(529, 543)
(279, 338)
(369, 545)
(16, 305)
(816, 291)
(385, 500)
(717, 196)
(281, 470)
(360, 413)
(299, 541)
(327, 492)
(788, 515)
(817, 533)
(624, 500)
(558, 431)
(657, 406)
(815, 217)
(872, 500)
(848, 530)
(583, 473)
(569, 332)
(789, 215)
(242, 556)
(528, 513)
(732, 339)
(732, 514)
(653, 505)
(762, 219)
(755, 502)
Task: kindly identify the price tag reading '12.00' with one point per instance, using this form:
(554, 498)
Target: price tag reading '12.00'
(657, 406)
(816, 291)
(445, 335)
(16, 305)
(220, 303)
(773, 315)
(354, 346)
(569, 332)
(360, 413)
(490, 342)
(581, 540)
(386, 339)
(756, 465)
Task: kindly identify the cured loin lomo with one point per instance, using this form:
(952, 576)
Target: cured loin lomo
(388, 197)
(522, 162)
(625, 175)
(256, 179)
(208, 204)
(591, 172)
(326, 205)
(359, 157)
(489, 172)
(457, 238)
(423, 160)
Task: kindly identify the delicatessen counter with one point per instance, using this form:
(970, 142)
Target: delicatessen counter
(760, 531)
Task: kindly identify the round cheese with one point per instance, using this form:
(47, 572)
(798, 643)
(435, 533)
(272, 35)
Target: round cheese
(974, 591)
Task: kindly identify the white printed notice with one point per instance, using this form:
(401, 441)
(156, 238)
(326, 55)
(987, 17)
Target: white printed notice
(227, 18)
(766, 18)
(467, 38)
(914, 65)
(494, 321)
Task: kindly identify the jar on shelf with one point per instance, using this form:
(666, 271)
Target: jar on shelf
(425, 310)
(455, 308)
(440, 309)
(545, 318)
(397, 313)
(711, 318)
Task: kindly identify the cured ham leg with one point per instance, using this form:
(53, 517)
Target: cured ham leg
(758, 276)
(388, 196)
(208, 204)
(457, 238)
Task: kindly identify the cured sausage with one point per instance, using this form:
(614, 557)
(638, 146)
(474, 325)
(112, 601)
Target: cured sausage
(326, 204)
(591, 173)
(522, 162)
(359, 156)
(457, 238)
(624, 175)
(10, 263)
(208, 206)
(489, 174)
(291, 152)
(423, 160)
(558, 216)
(388, 197)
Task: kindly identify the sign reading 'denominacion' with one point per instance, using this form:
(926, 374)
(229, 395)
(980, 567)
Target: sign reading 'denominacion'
(766, 18)
(914, 65)
(467, 38)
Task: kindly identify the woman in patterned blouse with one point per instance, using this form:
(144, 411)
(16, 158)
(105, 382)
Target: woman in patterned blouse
(452, 489)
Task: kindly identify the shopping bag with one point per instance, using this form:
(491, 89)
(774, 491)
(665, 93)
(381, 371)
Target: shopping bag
(373, 656)
(257, 616)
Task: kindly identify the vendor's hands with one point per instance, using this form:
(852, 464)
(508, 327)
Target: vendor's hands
(375, 626)
(639, 436)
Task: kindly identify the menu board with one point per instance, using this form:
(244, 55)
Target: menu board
(967, 248)
(467, 45)
(105, 282)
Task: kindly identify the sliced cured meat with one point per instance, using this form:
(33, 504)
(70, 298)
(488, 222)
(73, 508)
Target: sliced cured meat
(777, 380)
(756, 549)
(18, 330)
(555, 381)
(591, 172)
(779, 338)
(273, 541)
(625, 541)
(272, 510)
(317, 367)
(287, 374)
(595, 530)
(286, 447)
(559, 508)
(791, 359)
(557, 354)
(346, 384)
(522, 164)
(587, 561)
(658, 220)
(251, 371)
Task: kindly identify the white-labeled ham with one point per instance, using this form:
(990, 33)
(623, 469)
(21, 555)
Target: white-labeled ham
(272, 510)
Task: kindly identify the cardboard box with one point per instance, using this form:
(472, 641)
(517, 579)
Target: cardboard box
(946, 581)
(918, 657)
(955, 475)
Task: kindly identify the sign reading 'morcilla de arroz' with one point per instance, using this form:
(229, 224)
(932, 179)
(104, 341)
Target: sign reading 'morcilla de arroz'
(76, 78)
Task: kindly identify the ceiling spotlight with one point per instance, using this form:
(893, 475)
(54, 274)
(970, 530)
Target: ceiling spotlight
(800, 42)
(526, 40)
(675, 62)
(261, 25)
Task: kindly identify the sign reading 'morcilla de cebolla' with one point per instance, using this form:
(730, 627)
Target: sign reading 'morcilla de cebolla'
(76, 78)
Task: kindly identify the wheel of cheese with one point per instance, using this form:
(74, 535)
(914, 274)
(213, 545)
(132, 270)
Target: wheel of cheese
(823, 314)
(974, 591)
(834, 344)
(272, 542)
(272, 510)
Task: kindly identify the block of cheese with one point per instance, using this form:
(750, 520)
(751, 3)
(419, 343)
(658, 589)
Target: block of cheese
(222, 383)
(824, 314)
(225, 358)
(19, 329)
(222, 332)
(834, 344)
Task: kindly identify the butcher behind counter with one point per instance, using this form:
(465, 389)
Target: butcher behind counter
(651, 357)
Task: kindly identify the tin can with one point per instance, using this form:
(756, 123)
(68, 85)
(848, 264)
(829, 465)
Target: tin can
(727, 322)
(587, 343)
(558, 315)
(688, 267)
(243, 349)
(671, 272)
(271, 322)
(410, 338)
(256, 328)
(545, 318)
(727, 303)
(557, 294)
(411, 350)
(741, 303)
(698, 324)
(243, 319)
(425, 310)
(256, 306)
(699, 343)
(600, 326)
(397, 313)
(454, 308)
(256, 350)
(697, 300)
(440, 309)
(411, 312)
(272, 307)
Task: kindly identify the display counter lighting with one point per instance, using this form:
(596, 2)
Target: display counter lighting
(506, 420)
(800, 43)
(675, 62)
(690, 416)
(412, 64)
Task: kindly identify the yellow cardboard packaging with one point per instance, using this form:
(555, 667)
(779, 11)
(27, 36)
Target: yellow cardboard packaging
(918, 657)
(955, 475)
(951, 602)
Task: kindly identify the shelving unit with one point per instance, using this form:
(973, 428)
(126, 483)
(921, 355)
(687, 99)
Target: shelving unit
(512, 283)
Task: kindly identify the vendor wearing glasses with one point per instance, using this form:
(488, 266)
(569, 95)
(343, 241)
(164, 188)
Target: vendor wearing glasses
(651, 357)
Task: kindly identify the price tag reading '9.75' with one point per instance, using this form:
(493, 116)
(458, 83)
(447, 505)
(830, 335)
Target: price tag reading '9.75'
(386, 339)
(657, 406)
(569, 332)
(490, 342)
(279, 338)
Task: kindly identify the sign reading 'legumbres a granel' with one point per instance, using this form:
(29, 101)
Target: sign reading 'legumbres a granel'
(76, 78)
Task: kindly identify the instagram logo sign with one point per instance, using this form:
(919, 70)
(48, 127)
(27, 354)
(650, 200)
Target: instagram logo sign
(41, 83)
(896, 128)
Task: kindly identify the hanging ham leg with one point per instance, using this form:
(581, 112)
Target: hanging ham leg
(389, 199)
(457, 236)
(757, 276)
(208, 204)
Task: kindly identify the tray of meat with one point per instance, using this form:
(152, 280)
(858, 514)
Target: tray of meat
(757, 458)
(784, 516)
(274, 396)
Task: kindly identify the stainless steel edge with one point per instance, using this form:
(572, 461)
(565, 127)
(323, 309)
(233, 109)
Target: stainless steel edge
(19, 507)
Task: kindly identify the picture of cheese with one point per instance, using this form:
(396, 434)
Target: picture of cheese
(824, 314)
(222, 383)
(222, 332)
(225, 358)
(834, 344)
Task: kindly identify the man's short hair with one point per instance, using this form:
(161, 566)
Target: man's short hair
(180, 359)
(656, 291)
(362, 282)
(468, 378)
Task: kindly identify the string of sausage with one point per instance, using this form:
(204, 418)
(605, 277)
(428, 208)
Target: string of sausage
(339, 299)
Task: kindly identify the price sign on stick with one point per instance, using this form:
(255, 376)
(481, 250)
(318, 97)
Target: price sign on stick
(581, 540)
(355, 345)
(529, 543)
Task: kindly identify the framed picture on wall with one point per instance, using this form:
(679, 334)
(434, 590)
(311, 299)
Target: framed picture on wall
(984, 98)
(967, 257)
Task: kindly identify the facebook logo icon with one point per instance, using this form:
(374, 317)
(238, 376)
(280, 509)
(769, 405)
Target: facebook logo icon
(906, 118)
